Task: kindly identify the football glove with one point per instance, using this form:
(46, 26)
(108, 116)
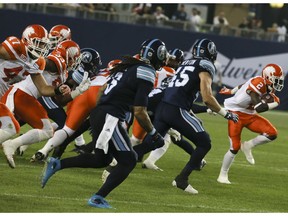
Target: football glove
(232, 116)
(82, 87)
(153, 141)
(225, 91)
(175, 134)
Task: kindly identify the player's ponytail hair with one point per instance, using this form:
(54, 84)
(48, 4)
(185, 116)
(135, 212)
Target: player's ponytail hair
(127, 61)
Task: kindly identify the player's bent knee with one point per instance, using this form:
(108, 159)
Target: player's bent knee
(128, 160)
(9, 125)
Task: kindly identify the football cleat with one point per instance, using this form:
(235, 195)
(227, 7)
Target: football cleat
(52, 165)
(9, 150)
(38, 156)
(148, 165)
(202, 164)
(98, 202)
(246, 149)
(223, 179)
(184, 185)
(79, 141)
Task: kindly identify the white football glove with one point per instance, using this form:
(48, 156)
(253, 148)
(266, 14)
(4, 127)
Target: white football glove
(210, 112)
(82, 87)
(175, 134)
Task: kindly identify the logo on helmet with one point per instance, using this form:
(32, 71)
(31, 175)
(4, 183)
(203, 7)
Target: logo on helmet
(161, 52)
(30, 30)
(86, 57)
(211, 48)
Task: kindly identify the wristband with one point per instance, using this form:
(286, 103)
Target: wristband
(272, 105)
(234, 90)
(152, 132)
(222, 112)
(75, 93)
(57, 90)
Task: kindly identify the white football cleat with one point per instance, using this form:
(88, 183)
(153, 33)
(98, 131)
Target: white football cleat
(79, 141)
(246, 149)
(188, 188)
(223, 179)
(148, 165)
(9, 150)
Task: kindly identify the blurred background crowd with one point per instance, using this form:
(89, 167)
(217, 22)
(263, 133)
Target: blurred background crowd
(256, 21)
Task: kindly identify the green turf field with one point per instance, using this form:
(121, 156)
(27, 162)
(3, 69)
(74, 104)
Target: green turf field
(257, 189)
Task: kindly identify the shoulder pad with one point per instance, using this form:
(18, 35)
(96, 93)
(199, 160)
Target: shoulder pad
(257, 84)
(13, 46)
(208, 66)
(146, 73)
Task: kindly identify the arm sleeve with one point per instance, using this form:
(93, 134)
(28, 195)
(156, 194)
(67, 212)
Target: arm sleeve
(199, 109)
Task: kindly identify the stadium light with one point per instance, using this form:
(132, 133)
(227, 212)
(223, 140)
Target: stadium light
(276, 5)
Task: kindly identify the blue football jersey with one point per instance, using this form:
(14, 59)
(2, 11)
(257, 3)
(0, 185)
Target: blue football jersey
(184, 88)
(128, 88)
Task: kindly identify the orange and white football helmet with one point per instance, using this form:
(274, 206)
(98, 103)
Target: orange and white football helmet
(70, 51)
(274, 76)
(36, 41)
(59, 33)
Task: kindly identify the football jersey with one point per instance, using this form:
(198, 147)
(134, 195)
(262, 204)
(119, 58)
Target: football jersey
(19, 66)
(52, 78)
(155, 97)
(101, 78)
(162, 74)
(124, 87)
(184, 87)
(241, 101)
(98, 80)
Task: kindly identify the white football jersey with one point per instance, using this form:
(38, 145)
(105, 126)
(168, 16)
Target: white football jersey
(19, 66)
(241, 101)
(30, 88)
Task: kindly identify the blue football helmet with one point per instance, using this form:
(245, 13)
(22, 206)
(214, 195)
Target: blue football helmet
(179, 55)
(204, 48)
(91, 60)
(154, 51)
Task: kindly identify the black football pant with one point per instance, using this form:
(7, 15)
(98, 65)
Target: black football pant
(119, 147)
(170, 116)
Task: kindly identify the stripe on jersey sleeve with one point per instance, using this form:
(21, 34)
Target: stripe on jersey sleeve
(146, 73)
(77, 75)
(208, 66)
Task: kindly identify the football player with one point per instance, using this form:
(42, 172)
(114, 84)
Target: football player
(21, 98)
(55, 111)
(247, 102)
(193, 76)
(22, 58)
(129, 85)
(78, 109)
(168, 70)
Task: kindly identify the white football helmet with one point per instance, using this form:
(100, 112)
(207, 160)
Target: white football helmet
(274, 76)
(36, 41)
(70, 51)
(59, 33)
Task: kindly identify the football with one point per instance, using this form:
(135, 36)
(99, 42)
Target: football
(268, 98)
